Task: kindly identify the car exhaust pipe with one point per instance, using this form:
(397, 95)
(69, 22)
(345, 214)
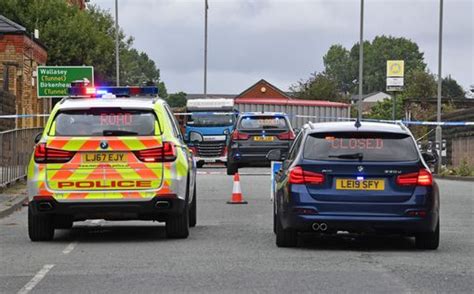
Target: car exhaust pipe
(44, 206)
(316, 226)
(323, 227)
(162, 204)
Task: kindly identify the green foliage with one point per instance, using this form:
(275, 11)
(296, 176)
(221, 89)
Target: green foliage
(82, 37)
(319, 86)
(451, 89)
(420, 84)
(177, 99)
(337, 62)
(384, 109)
(464, 169)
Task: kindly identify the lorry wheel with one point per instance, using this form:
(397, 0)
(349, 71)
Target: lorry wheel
(428, 241)
(177, 226)
(232, 168)
(193, 210)
(200, 164)
(40, 227)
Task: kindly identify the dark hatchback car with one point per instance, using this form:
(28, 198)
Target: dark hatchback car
(370, 179)
(255, 134)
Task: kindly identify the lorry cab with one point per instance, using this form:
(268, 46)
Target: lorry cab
(208, 125)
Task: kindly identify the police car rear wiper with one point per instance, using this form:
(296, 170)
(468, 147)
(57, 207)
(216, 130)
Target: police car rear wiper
(118, 133)
(358, 155)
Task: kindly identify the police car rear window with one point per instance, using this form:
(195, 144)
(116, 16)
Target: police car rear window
(350, 146)
(105, 122)
(263, 122)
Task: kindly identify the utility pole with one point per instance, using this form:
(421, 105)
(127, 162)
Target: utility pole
(440, 79)
(206, 8)
(117, 56)
(361, 61)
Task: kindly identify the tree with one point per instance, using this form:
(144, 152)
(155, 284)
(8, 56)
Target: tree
(451, 89)
(419, 85)
(337, 62)
(384, 110)
(177, 99)
(83, 37)
(318, 87)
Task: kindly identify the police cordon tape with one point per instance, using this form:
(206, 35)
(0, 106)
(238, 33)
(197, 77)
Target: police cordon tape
(405, 122)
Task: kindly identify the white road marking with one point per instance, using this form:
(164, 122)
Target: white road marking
(36, 279)
(69, 248)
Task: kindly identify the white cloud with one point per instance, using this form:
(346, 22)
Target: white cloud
(284, 41)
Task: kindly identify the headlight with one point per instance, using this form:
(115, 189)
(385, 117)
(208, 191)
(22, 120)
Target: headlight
(195, 137)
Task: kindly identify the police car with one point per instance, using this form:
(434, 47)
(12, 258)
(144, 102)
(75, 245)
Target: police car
(367, 178)
(115, 154)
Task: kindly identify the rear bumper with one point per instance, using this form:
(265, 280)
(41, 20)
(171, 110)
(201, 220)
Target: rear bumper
(363, 224)
(157, 208)
(211, 159)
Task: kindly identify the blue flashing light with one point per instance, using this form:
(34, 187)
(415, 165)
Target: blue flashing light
(117, 91)
(360, 178)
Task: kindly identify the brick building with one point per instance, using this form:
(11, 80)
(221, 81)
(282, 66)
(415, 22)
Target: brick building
(20, 54)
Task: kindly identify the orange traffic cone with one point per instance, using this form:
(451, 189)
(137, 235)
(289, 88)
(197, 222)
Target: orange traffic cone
(237, 192)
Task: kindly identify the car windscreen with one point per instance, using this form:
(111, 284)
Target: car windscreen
(211, 119)
(263, 122)
(368, 146)
(105, 122)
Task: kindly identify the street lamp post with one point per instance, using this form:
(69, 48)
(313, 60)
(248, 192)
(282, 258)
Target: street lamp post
(117, 57)
(440, 79)
(206, 7)
(361, 61)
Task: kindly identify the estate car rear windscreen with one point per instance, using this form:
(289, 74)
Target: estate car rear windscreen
(105, 122)
(263, 122)
(350, 146)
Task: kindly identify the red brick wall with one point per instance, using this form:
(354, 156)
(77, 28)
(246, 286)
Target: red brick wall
(26, 55)
(269, 93)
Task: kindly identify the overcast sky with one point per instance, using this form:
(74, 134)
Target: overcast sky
(284, 41)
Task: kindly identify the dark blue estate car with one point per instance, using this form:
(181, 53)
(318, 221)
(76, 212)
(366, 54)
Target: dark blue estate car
(366, 179)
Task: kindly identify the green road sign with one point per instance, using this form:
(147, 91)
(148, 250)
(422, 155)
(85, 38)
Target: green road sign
(54, 81)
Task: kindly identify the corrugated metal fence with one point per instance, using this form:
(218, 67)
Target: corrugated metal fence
(299, 114)
(16, 147)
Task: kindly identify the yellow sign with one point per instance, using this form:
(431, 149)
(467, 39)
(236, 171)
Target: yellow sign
(395, 68)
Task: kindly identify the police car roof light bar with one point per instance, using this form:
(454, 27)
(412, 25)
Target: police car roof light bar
(97, 92)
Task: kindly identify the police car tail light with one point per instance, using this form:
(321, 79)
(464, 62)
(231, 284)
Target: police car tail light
(236, 135)
(300, 176)
(420, 178)
(166, 153)
(44, 154)
(286, 136)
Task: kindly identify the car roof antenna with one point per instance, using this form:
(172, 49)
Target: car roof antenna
(357, 123)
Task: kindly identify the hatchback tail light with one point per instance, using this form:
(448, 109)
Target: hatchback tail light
(44, 154)
(420, 178)
(286, 136)
(236, 135)
(166, 153)
(300, 176)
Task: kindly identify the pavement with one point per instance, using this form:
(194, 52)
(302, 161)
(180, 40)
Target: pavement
(232, 250)
(12, 198)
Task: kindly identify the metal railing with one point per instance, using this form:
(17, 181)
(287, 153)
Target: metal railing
(16, 147)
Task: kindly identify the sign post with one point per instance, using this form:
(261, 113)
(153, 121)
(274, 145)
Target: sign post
(54, 81)
(395, 80)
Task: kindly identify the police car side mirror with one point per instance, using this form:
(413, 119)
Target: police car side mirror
(38, 137)
(274, 155)
(429, 157)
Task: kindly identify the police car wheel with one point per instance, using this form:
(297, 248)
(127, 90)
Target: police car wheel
(428, 241)
(177, 226)
(193, 210)
(285, 238)
(40, 227)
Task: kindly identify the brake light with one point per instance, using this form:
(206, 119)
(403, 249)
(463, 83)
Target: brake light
(300, 176)
(286, 136)
(165, 153)
(420, 178)
(236, 135)
(44, 154)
